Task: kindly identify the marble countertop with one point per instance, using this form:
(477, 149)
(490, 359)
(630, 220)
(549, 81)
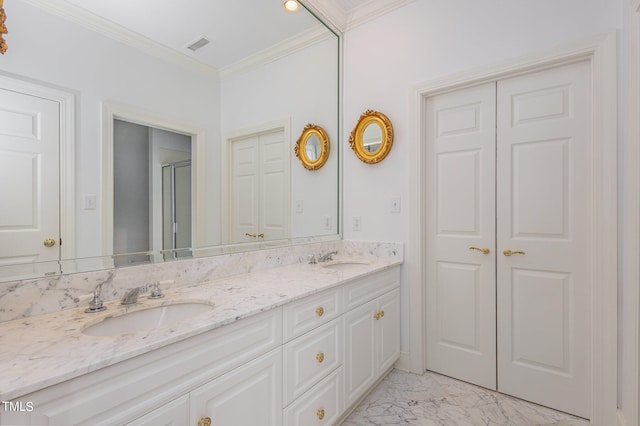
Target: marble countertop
(44, 350)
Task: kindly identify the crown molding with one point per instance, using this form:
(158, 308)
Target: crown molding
(118, 33)
(293, 44)
(330, 11)
(371, 10)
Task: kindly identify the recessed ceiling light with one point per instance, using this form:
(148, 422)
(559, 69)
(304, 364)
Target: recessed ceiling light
(291, 5)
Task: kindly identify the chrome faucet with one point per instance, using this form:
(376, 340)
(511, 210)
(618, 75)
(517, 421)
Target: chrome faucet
(96, 304)
(131, 296)
(327, 256)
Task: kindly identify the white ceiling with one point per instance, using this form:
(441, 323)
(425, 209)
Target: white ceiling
(237, 29)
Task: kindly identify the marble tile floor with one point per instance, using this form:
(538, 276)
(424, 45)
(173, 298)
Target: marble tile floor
(432, 399)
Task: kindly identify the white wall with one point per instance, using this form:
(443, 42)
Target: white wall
(59, 53)
(386, 59)
(302, 88)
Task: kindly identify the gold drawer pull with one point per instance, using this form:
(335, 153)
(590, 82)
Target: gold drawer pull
(320, 414)
(320, 357)
(508, 252)
(204, 421)
(320, 311)
(250, 235)
(484, 250)
(260, 235)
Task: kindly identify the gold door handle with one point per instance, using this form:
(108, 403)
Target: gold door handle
(508, 252)
(320, 357)
(49, 242)
(204, 421)
(250, 235)
(260, 235)
(484, 250)
(320, 414)
(320, 311)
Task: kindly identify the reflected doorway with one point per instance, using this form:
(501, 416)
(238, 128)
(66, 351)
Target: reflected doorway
(151, 206)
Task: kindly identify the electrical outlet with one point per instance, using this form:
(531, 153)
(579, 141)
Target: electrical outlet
(356, 223)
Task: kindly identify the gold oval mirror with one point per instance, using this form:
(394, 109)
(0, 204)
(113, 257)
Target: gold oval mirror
(312, 147)
(372, 137)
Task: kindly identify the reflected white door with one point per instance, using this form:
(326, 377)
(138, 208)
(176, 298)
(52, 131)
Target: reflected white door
(537, 307)
(461, 311)
(544, 178)
(260, 188)
(29, 178)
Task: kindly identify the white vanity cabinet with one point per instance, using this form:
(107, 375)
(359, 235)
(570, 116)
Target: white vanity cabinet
(371, 335)
(301, 364)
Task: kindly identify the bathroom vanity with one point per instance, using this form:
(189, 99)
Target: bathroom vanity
(293, 345)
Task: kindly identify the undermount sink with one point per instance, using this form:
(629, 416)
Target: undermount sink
(338, 265)
(147, 319)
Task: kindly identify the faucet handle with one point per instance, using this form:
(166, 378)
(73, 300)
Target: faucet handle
(156, 293)
(96, 304)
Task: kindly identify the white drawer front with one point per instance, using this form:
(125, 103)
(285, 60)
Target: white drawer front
(321, 405)
(368, 288)
(310, 358)
(309, 313)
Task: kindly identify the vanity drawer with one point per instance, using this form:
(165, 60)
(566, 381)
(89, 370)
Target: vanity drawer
(368, 288)
(310, 312)
(321, 405)
(310, 358)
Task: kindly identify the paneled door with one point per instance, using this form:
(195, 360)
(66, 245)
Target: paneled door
(544, 215)
(29, 179)
(535, 187)
(259, 188)
(461, 295)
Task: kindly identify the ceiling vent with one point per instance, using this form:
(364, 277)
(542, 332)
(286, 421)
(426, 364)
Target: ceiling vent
(198, 44)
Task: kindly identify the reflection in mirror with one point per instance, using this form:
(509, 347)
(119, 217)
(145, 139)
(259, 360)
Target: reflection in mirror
(77, 61)
(372, 138)
(313, 147)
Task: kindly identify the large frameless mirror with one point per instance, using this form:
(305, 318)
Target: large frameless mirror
(158, 116)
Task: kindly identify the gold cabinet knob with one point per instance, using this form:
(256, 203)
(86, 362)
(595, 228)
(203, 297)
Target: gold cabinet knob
(320, 311)
(49, 242)
(320, 414)
(376, 316)
(204, 421)
(508, 252)
(320, 357)
(381, 313)
(484, 250)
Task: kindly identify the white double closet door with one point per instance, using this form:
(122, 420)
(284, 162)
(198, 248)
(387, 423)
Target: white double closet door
(508, 231)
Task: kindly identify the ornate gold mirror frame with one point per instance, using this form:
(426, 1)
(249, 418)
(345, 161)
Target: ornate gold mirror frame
(312, 147)
(372, 137)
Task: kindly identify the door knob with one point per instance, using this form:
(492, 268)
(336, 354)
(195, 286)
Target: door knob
(49, 242)
(484, 250)
(508, 252)
(204, 421)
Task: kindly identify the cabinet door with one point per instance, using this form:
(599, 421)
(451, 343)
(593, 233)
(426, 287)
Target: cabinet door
(175, 413)
(388, 330)
(247, 396)
(360, 359)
